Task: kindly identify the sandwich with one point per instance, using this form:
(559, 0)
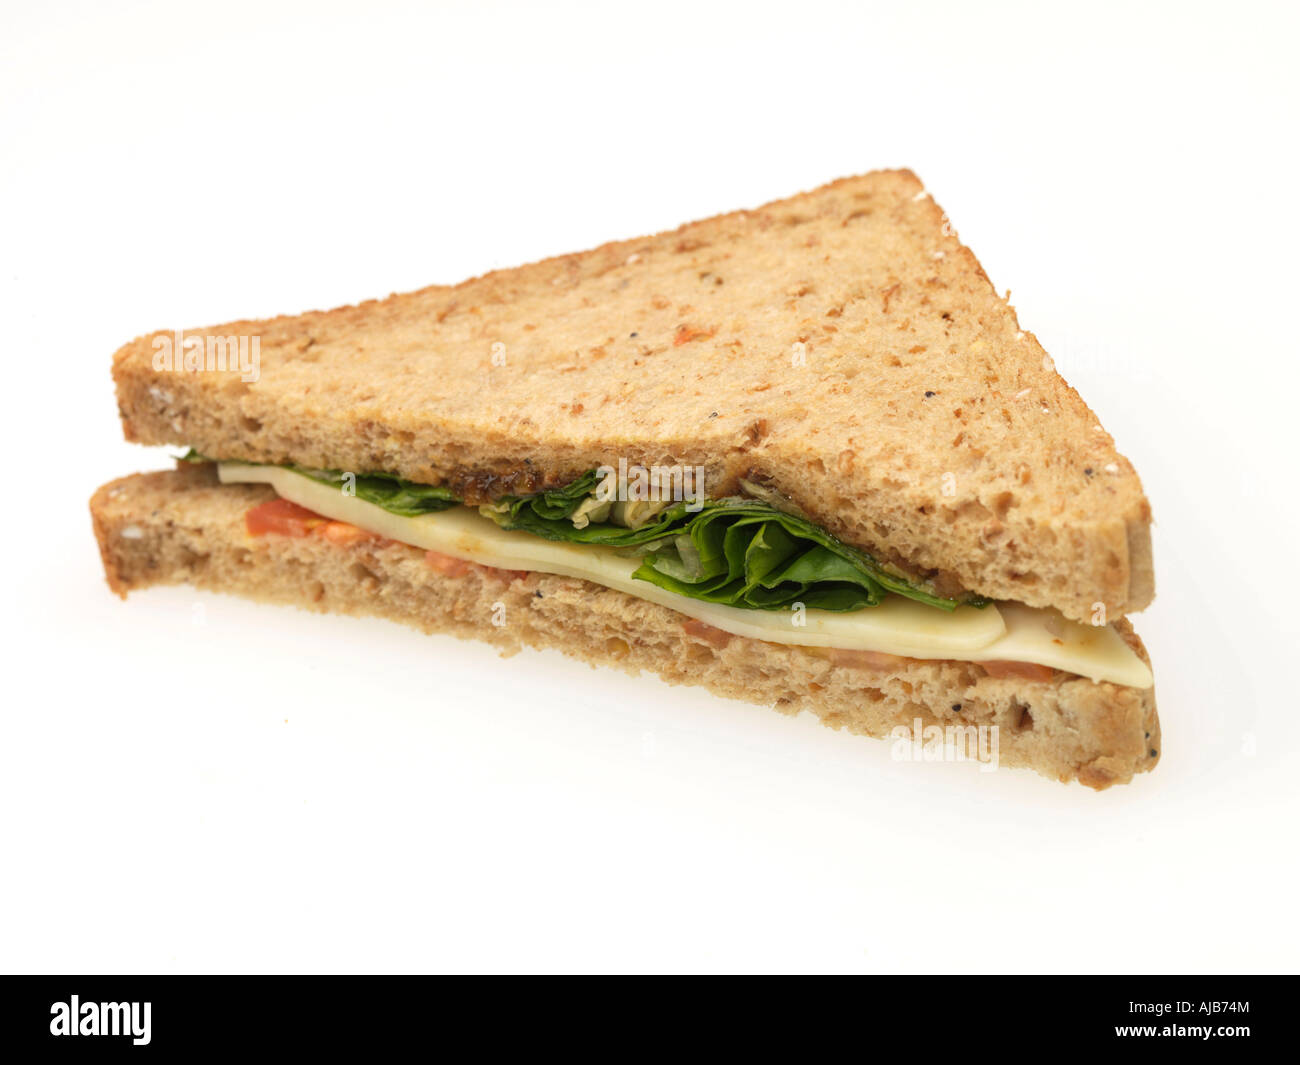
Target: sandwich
(802, 455)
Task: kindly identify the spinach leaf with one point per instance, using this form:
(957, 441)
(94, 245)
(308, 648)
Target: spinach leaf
(740, 552)
(392, 493)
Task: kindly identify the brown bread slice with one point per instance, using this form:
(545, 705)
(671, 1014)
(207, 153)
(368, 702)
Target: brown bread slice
(842, 347)
(182, 526)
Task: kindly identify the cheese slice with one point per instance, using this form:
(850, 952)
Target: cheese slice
(1049, 638)
(898, 626)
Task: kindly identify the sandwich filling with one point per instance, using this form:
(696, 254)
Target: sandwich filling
(739, 565)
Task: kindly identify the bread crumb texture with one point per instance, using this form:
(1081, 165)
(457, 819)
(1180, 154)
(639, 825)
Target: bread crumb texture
(842, 347)
(183, 527)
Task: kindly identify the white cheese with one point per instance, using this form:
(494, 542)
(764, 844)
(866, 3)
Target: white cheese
(898, 626)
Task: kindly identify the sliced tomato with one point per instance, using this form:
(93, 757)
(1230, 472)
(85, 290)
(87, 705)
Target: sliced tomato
(1019, 670)
(447, 565)
(281, 517)
(865, 659)
(708, 633)
(344, 534)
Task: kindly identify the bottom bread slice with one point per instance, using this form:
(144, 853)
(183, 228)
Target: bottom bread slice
(182, 526)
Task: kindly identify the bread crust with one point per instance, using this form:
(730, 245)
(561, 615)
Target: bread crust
(183, 527)
(841, 345)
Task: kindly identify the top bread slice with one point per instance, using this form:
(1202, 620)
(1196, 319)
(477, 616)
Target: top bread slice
(841, 348)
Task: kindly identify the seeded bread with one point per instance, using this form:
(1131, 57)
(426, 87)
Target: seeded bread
(842, 348)
(182, 526)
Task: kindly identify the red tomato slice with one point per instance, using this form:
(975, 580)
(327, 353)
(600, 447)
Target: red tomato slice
(282, 517)
(343, 534)
(1021, 670)
(446, 564)
(708, 633)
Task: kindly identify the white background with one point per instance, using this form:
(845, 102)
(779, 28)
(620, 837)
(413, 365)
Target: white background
(189, 782)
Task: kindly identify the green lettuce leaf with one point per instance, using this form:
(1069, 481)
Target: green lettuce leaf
(739, 552)
(392, 493)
